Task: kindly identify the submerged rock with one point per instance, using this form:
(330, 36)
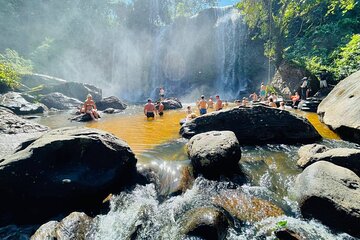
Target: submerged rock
(257, 125)
(214, 153)
(60, 101)
(246, 208)
(340, 110)
(330, 194)
(344, 157)
(75, 226)
(64, 170)
(84, 117)
(171, 103)
(110, 102)
(16, 103)
(205, 223)
(111, 111)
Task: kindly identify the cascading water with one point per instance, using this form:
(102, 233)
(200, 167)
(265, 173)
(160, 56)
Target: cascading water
(204, 54)
(230, 43)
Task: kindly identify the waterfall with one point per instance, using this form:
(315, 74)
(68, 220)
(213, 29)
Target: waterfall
(228, 30)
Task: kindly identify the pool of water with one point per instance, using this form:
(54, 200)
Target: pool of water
(271, 172)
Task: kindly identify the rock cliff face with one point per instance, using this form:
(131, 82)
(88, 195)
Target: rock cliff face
(340, 110)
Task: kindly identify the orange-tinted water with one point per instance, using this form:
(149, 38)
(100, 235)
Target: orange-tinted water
(139, 132)
(322, 129)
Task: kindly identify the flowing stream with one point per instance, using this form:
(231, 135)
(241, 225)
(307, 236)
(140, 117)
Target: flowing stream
(152, 212)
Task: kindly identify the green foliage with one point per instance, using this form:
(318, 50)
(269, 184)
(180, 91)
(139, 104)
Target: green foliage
(281, 224)
(348, 60)
(9, 78)
(18, 64)
(305, 32)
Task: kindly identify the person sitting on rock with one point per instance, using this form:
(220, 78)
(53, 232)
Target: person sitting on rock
(149, 109)
(160, 108)
(271, 103)
(89, 107)
(188, 110)
(202, 105)
(254, 97)
(273, 97)
(282, 106)
(295, 98)
(244, 102)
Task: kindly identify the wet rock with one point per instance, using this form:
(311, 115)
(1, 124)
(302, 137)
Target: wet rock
(343, 157)
(110, 102)
(323, 92)
(340, 110)
(75, 226)
(330, 194)
(14, 130)
(52, 84)
(59, 101)
(111, 111)
(287, 234)
(257, 125)
(307, 151)
(205, 223)
(64, 170)
(171, 103)
(214, 153)
(16, 103)
(84, 117)
(246, 208)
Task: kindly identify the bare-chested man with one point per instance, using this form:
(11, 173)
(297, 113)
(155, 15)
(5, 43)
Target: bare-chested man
(218, 104)
(202, 105)
(210, 103)
(149, 109)
(160, 108)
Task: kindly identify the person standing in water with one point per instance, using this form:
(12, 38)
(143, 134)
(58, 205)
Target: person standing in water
(202, 105)
(162, 93)
(89, 107)
(149, 109)
(219, 104)
(210, 103)
(262, 92)
(160, 108)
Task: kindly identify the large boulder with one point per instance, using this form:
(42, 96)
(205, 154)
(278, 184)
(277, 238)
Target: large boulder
(16, 103)
(51, 84)
(340, 110)
(204, 223)
(213, 153)
(330, 194)
(171, 103)
(64, 170)
(256, 125)
(59, 101)
(76, 226)
(14, 130)
(344, 157)
(110, 102)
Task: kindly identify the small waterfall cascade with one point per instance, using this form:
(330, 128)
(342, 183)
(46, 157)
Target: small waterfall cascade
(229, 32)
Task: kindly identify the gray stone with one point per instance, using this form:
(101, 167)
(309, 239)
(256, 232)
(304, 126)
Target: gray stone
(75, 226)
(110, 102)
(344, 157)
(307, 151)
(213, 153)
(16, 103)
(171, 103)
(93, 163)
(340, 110)
(330, 194)
(256, 125)
(59, 101)
(205, 223)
